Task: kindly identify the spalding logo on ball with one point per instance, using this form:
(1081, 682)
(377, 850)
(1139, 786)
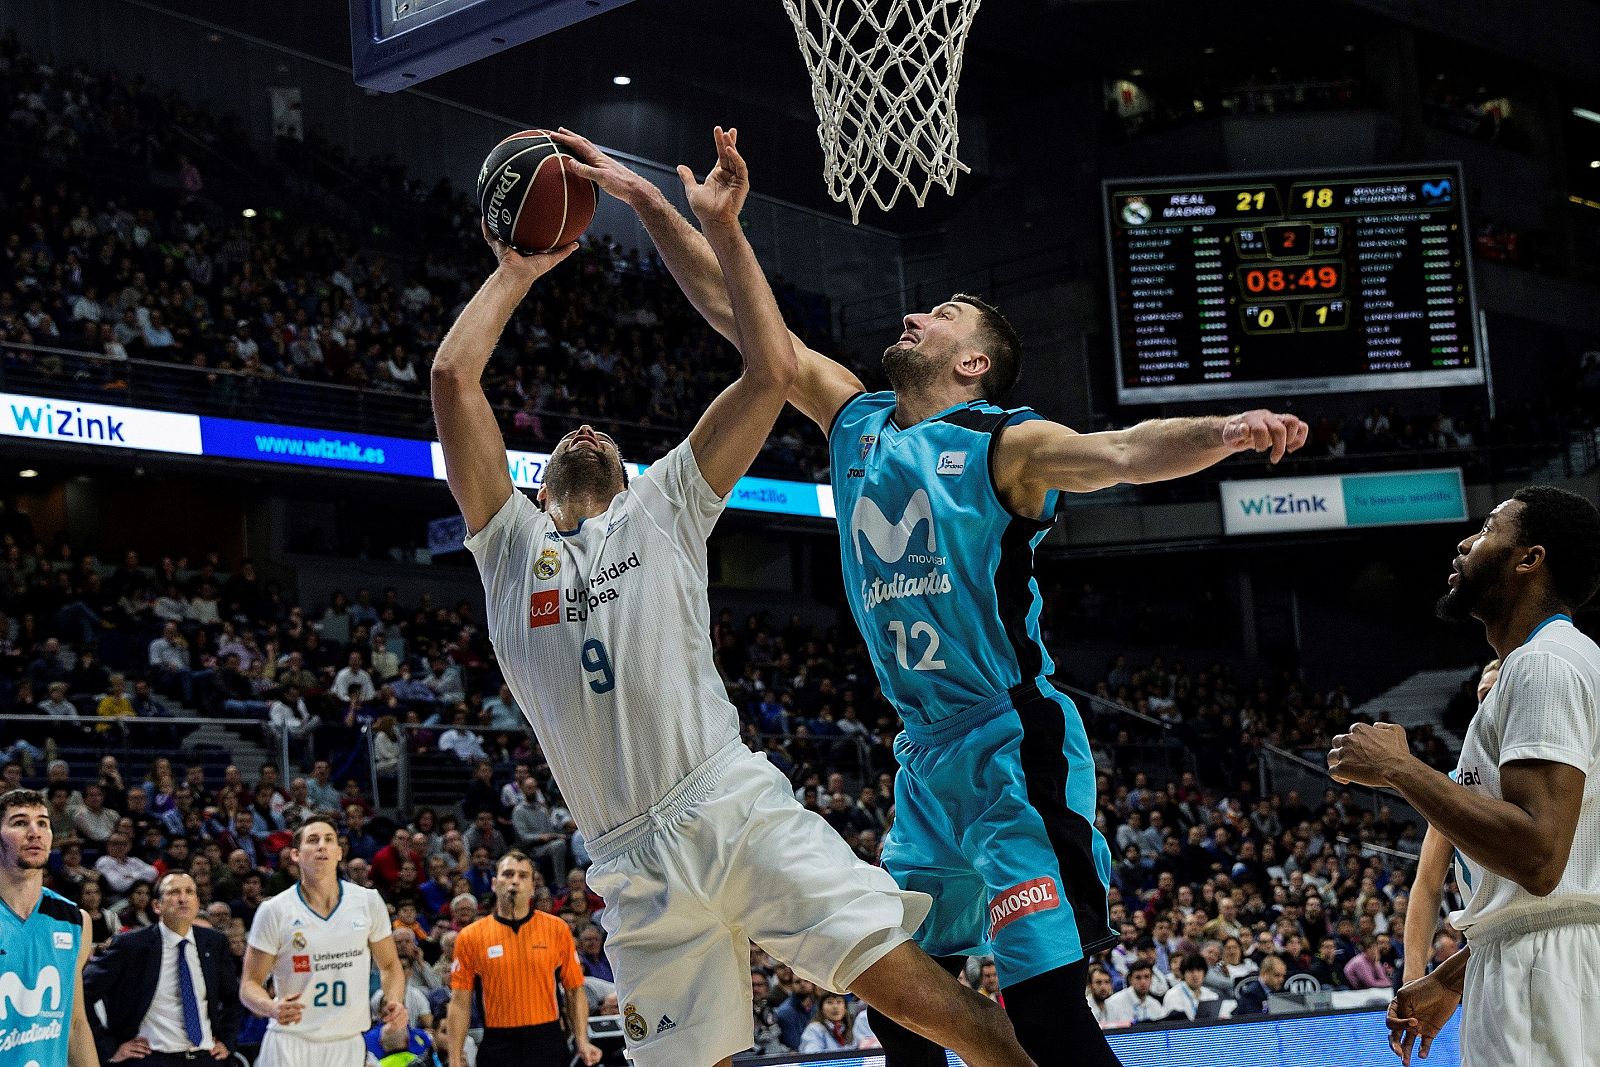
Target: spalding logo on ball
(530, 197)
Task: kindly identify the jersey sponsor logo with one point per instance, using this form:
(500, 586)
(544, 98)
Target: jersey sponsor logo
(602, 588)
(302, 965)
(615, 524)
(634, 1023)
(1471, 776)
(856, 472)
(62, 939)
(1025, 899)
(548, 565)
(665, 1024)
(899, 587)
(551, 535)
(951, 463)
(889, 540)
(544, 608)
(16, 996)
(496, 951)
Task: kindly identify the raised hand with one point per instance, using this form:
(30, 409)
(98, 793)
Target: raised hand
(589, 162)
(1262, 431)
(524, 265)
(718, 200)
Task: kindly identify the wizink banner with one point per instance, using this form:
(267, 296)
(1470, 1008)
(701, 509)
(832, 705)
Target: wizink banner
(1343, 501)
(174, 433)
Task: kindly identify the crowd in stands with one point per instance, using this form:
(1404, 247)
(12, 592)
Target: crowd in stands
(94, 262)
(1258, 887)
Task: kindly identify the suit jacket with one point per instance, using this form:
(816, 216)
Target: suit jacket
(1252, 998)
(124, 977)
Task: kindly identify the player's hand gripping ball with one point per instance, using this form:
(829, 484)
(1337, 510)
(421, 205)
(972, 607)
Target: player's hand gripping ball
(530, 195)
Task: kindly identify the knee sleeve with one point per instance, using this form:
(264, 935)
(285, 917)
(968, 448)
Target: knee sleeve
(1049, 1014)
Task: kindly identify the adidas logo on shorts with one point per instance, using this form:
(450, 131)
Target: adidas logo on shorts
(665, 1024)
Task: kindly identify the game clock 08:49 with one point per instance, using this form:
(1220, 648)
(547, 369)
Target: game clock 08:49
(1310, 278)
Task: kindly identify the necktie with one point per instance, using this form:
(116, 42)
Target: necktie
(191, 1005)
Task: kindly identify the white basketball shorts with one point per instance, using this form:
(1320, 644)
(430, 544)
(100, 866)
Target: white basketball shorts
(729, 857)
(281, 1049)
(1532, 999)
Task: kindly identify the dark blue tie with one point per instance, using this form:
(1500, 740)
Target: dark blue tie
(191, 1006)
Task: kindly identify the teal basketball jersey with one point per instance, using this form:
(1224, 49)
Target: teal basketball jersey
(38, 972)
(938, 573)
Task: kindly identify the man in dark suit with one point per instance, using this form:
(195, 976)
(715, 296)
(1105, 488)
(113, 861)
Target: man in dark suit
(171, 990)
(1254, 994)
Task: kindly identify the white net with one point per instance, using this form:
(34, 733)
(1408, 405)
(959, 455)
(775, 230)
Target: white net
(884, 75)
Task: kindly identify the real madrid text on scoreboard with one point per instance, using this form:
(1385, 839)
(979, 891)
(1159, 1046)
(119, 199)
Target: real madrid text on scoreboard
(1254, 285)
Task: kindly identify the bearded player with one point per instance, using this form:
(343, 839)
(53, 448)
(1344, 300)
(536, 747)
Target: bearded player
(599, 614)
(942, 496)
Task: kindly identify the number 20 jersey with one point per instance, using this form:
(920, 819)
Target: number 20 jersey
(604, 636)
(938, 574)
(327, 960)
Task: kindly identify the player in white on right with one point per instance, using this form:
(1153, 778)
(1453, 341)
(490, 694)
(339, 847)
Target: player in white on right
(317, 941)
(1524, 810)
(599, 614)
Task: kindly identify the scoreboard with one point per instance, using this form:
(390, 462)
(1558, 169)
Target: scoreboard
(1291, 283)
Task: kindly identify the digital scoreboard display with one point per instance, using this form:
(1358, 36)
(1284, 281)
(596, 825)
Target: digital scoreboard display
(1311, 282)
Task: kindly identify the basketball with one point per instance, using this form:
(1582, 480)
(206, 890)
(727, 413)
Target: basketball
(529, 196)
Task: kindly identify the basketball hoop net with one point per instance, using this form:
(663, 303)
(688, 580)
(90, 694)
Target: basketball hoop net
(884, 75)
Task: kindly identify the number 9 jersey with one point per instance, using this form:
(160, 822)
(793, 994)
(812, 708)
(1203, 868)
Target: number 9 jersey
(328, 961)
(939, 575)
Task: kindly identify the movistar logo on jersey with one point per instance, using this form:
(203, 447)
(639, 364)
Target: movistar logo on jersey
(889, 540)
(14, 995)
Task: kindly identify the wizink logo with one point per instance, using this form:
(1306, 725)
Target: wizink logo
(889, 539)
(1287, 504)
(47, 420)
(30, 1002)
(319, 448)
(525, 470)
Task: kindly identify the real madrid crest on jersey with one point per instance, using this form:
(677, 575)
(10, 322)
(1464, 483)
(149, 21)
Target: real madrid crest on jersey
(298, 940)
(634, 1023)
(548, 565)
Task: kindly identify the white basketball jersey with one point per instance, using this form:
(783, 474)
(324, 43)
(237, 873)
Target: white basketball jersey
(327, 961)
(604, 636)
(1544, 706)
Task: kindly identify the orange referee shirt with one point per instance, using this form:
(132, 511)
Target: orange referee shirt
(519, 963)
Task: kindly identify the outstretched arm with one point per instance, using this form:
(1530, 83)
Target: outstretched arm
(730, 434)
(821, 385)
(1035, 457)
(474, 450)
(1427, 890)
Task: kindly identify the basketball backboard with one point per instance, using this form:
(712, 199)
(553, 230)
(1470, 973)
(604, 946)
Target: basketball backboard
(395, 44)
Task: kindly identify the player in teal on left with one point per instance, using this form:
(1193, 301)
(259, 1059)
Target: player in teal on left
(44, 943)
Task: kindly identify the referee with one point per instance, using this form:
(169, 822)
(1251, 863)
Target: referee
(519, 955)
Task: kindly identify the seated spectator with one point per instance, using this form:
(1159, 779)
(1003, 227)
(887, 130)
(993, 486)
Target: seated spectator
(592, 954)
(462, 743)
(1325, 966)
(1098, 992)
(353, 685)
(1254, 994)
(1190, 992)
(1369, 969)
(832, 1027)
(120, 870)
(1135, 1004)
(94, 821)
(136, 912)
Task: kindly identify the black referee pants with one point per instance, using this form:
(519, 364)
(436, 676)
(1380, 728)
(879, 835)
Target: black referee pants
(525, 1046)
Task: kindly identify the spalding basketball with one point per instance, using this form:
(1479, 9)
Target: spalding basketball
(530, 197)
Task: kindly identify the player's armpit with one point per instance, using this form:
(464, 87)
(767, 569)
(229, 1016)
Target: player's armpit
(1552, 795)
(1032, 458)
(821, 386)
